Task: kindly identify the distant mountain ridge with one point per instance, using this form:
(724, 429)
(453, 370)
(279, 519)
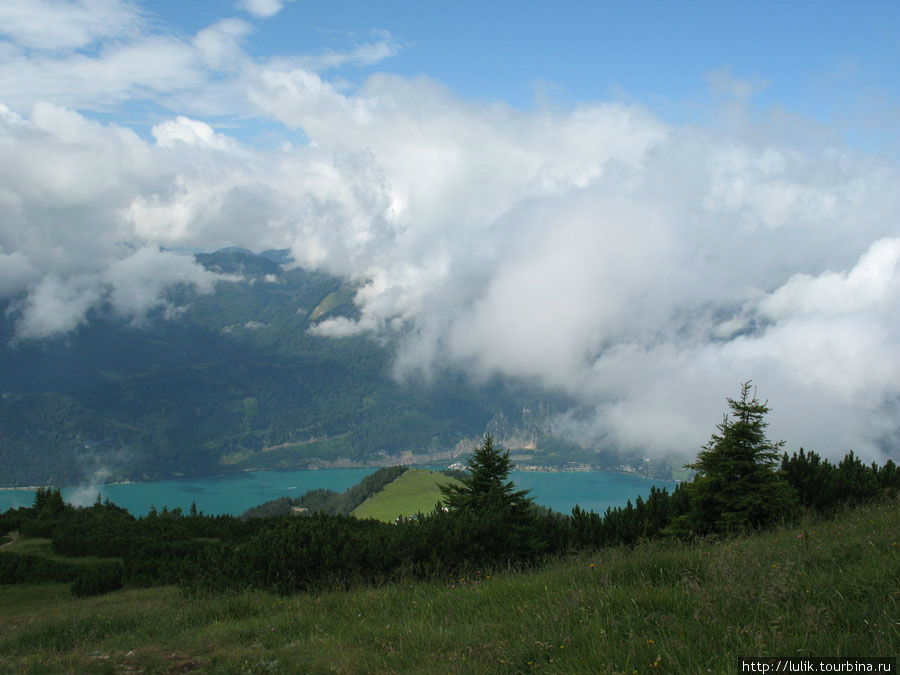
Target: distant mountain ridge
(238, 382)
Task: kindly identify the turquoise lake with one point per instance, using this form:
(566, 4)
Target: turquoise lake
(235, 493)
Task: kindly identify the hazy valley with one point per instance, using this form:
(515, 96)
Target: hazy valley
(237, 381)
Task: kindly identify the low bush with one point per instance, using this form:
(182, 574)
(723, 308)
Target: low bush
(16, 568)
(100, 578)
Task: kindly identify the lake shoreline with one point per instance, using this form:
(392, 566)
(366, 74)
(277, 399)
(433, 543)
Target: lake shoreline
(235, 492)
(339, 465)
(71, 487)
(525, 468)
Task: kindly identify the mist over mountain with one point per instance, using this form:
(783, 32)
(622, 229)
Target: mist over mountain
(235, 379)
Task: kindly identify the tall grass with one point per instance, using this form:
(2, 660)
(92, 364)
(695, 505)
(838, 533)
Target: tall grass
(822, 588)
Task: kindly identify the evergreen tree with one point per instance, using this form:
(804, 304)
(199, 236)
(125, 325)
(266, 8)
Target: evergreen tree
(737, 486)
(48, 502)
(486, 487)
(489, 520)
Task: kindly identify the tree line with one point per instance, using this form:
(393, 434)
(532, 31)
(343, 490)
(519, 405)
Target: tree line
(743, 481)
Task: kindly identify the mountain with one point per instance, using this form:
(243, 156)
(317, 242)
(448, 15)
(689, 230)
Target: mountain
(237, 382)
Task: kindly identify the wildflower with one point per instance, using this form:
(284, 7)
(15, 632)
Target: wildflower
(591, 565)
(452, 587)
(649, 642)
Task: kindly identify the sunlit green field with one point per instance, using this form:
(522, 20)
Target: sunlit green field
(415, 491)
(827, 588)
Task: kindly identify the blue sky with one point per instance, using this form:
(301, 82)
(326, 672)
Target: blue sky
(640, 204)
(834, 62)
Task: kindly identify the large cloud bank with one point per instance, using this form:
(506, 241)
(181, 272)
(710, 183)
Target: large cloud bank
(644, 268)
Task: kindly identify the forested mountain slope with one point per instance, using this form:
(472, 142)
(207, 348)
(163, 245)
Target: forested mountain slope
(233, 380)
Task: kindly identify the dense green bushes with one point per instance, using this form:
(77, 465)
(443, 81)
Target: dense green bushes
(289, 555)
(16, 568)
(12, 519)
(646, 519)
(286, 555)
(824, 487)
(100, 578)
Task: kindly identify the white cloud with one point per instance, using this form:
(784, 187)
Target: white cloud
(569, 247)
(222, 43)
(261, 8)
(99, 54)
(136, 283)
(872, 285)
(131, 286)
(338, 327)
(133, 59)
(67, 24)
(365, 54)
(191, 132)
(65, 245)
(827, 358)
(55, 306)
(644, 268)
(151, 67)
(600, 266)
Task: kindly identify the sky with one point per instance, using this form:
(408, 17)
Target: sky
(640, 204)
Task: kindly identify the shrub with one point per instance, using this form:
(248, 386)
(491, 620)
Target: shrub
(100, 578)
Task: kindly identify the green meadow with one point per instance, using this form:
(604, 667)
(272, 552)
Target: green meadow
(415, 491)
(819, 588)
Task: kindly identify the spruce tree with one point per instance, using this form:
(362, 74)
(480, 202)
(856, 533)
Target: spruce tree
(736, 486)
(487, 485)
(496, 523)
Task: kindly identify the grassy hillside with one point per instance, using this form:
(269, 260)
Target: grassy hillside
(415, 491)
(327, 501)
(822, 588)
